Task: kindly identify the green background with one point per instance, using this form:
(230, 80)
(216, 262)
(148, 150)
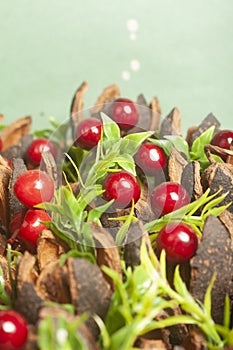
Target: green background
(183, 51)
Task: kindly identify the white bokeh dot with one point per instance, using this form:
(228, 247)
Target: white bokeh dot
(135, 65)
(132, 25)
(125, 75)
(133, 36)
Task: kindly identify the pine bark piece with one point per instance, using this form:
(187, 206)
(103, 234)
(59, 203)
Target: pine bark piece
(76, 109)
(152, 344)
(227, 219)
(213, 256)
(13, 132)
(107, 253)
(108, 95)
(5, 178)
(29, 300)
(155, 115)
(48, 249)
(132, 246)
(89, 290)
(219, 176)
(19, 168)
(142, 207)
(19, 150)
(191, 180)
(195, 341)
(3, 243)
(49, 166)
(171, 124)
(207, 122)
(176, 165)
(53, 283)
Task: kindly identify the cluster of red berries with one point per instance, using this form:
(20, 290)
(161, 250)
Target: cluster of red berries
(31, 188)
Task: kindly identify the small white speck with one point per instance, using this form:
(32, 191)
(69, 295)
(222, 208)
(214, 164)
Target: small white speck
(62, 335)
(125, 75)
(133, 36)
(135, 65)
(132, 25)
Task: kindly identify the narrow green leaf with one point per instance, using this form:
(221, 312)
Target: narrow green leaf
(227, 312)
(110, 129)
(207, 299)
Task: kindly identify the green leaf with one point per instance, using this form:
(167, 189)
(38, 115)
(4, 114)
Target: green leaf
(126, 162)
(164, 144)
(179, 143)
(95, 213)
(227, 312)
(207, 299)
(111, 130)
(197, 149)
(131, 142)
(125, 227)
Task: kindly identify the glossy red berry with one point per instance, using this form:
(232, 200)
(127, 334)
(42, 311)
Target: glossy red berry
(124, 113)
(150, 158)
(167, 197)
(1, 144)
(34, 187)
(179, 242)
(122, 187)
(13, 330)
(88, 133)
(223, 139)
(39, 146)
(32, 225)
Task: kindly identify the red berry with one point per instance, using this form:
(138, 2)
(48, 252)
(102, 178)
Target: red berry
(34, 187)
(223, 139)
(88, 133)
(1, 144)
(124, 113)
(37, 147)
(123, 187)
(167, 197)
(150, 158)
(32, 226)
(179, 241)
(13, 330)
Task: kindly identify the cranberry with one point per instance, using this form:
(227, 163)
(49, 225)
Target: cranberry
(13, 330)
(223, 139)
(88, 133)
(1, 144)
(32, 225)
(167, 197)
(179, 241)
(124, 113)
(123, 187)
(37, 147)
(34, 187)
(150, 158)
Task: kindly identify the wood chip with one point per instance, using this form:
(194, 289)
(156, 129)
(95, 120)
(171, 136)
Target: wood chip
(213, 256)
(132, 246)
(109, 94)
(13, 132)
(227, 219)
(152, 344)
(76, 109)
(48, 165)
(204, 125)
(107, 253)
(26, 290)
(191, 180)
(171, 125)
(53, 283)
(195, 341)
(18, 167)
(176, 165)
(155, 115)
(89, 290)
(5, 177)
(48, 249)
(219, 176)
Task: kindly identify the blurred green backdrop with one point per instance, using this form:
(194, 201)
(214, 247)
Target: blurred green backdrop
(178, 50)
